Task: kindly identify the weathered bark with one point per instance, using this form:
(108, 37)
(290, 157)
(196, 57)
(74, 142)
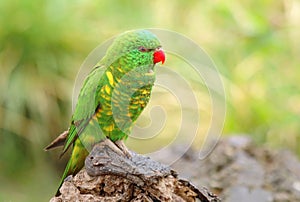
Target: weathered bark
(109, 176)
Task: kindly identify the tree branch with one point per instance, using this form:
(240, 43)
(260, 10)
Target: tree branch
(109, 176)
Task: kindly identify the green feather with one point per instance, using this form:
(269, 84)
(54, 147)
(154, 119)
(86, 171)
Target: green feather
(112, 97)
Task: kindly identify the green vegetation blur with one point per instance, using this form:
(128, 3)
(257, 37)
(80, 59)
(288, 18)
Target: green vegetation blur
(255, 45)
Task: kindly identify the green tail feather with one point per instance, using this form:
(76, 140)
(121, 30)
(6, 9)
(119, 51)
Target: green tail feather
(75, 163)
(66, 173)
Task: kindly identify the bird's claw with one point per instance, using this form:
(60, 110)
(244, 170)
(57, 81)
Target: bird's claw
(123, 148)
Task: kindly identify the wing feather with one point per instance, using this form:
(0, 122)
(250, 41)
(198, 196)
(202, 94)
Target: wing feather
(86, 107)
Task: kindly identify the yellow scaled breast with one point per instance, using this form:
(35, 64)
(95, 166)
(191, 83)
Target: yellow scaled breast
(110, 78)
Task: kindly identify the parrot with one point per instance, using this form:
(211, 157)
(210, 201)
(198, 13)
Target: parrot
(112, 97)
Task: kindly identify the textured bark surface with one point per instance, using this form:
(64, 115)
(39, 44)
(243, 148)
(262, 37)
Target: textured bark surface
(238, 170)
(109, 176)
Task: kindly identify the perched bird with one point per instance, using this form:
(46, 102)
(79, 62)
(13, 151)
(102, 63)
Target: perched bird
(112, 97)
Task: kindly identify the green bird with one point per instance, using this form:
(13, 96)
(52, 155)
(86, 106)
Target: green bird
(112, 97)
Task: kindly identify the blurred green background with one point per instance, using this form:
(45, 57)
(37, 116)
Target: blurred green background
(255, 45)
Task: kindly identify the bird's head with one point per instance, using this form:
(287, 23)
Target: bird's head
(136, 49)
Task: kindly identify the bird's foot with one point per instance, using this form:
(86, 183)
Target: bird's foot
(113, 146)
(123, 148)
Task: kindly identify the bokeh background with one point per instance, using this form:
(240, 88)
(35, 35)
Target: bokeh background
(255, 45)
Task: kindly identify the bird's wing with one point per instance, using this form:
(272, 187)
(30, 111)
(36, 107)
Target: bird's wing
(87, 106)
(59, 141)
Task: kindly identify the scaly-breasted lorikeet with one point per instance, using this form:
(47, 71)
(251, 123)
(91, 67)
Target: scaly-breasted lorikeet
(112, 97)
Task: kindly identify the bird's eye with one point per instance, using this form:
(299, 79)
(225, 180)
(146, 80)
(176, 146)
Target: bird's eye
(143, 49)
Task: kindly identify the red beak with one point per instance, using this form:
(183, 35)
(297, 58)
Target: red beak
(159, 56)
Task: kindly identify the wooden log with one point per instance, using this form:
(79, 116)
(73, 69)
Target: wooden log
(109, 176)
